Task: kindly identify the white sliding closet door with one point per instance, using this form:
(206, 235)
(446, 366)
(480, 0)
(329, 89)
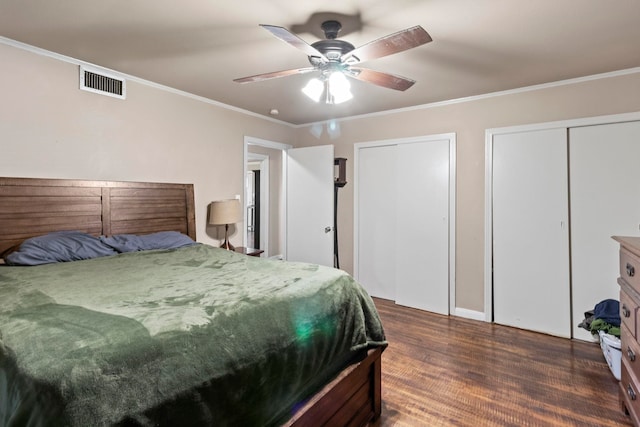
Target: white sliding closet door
(377, 203)
(422, 226)
(530, 231)
(605, 201)
(403, 221)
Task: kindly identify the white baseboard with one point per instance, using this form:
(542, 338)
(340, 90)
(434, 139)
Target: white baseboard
(279, 257)
(469, 314)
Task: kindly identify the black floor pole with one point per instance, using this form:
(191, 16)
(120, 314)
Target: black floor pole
(336, 259)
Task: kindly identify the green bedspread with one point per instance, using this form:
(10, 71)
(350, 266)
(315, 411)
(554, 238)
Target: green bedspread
(192, 336)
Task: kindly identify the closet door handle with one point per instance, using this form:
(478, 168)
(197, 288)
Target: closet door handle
(631, 393)
(631, 354)
(625, 311)
(631, 271)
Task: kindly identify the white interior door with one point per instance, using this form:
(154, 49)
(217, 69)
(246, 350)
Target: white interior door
(376, 205)
(422, 225)
(310, 204)
(530, 231)
(605, 184)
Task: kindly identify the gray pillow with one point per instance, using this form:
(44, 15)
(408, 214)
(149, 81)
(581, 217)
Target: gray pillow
(145, 242)
(60, 246)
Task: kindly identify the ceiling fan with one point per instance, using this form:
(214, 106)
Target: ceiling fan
(333, 56)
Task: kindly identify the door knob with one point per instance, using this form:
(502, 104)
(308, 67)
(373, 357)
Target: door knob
(327, 229)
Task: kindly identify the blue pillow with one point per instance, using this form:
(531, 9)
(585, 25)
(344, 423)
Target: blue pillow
(60, 246)
(145, 242)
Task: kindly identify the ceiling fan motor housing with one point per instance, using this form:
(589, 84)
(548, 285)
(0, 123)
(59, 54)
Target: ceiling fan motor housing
(331, 49)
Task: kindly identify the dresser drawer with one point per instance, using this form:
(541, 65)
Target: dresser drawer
(628, 313)
(630, 351)
(629, 392)
(630, 269)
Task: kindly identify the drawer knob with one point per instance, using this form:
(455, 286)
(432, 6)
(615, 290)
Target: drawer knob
(631, 271)
(625, 311)
(631, 354)
(631, 393)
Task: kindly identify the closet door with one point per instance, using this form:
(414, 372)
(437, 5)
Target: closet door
(422, 226)
(402, 222)
(605, 201)
(376, 207)
(530, 231)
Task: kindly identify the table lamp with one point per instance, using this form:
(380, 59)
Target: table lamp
(225, 212)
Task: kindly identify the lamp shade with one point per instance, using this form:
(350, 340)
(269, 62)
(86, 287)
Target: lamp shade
(339, 88)
(223, 212)
(314, 89)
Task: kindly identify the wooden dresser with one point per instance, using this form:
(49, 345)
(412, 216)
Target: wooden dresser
(629, 282)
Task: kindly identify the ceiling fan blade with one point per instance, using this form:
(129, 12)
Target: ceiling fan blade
(388, 45)
(274, 75)
(295, 41)
(387, 80)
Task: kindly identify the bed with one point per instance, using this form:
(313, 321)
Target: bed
(189, 335)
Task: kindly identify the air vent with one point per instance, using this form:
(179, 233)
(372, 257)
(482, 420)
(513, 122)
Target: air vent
(97, 81)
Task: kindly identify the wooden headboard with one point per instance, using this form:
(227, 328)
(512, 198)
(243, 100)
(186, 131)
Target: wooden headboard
(32, 207)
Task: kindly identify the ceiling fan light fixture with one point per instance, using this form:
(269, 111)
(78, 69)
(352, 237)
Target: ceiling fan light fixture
(314, 89)
(339, 88)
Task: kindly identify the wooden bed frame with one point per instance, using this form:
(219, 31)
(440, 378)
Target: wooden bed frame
(31, 207)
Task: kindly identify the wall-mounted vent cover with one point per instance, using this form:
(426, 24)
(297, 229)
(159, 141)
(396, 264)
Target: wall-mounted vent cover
(97, 81)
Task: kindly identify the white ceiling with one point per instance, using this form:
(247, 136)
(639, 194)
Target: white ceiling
(198, 46)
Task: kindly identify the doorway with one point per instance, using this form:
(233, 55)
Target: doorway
(288, 225)
(257, 201)
(264, 202)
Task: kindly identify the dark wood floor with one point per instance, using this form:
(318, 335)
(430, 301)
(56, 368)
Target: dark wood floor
(449, 371)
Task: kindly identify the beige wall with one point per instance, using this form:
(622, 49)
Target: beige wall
(469, 120)
(51, 129)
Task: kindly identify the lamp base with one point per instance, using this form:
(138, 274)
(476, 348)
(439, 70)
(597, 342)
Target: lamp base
(227, 245)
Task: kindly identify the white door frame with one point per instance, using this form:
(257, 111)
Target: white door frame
(452, 201)
(488, 200)
(249, 140)
(264, 200)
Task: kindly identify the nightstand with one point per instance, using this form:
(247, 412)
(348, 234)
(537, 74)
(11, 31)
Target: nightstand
(249, 251)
